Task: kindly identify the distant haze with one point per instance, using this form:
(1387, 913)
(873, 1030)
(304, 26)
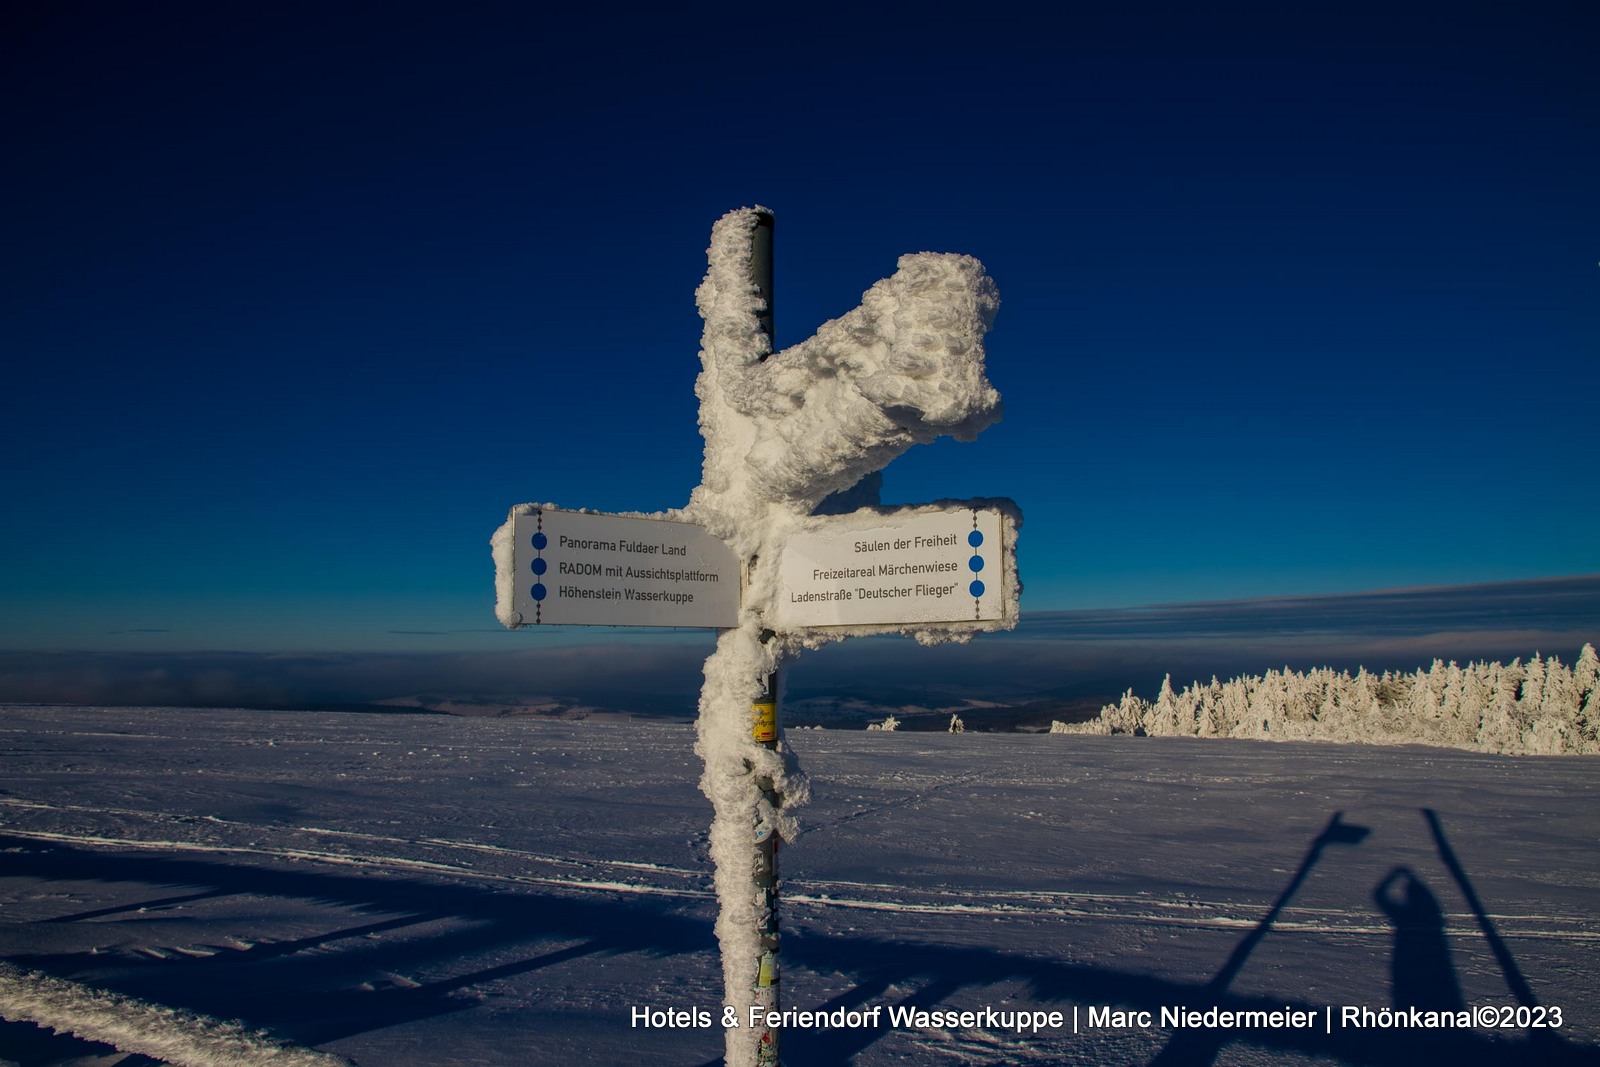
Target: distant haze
(1068, 656)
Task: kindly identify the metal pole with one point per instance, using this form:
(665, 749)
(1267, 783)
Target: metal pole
(764, 730)
(761, 271)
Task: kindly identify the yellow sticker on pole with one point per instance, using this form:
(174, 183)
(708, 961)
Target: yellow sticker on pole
(764, 721)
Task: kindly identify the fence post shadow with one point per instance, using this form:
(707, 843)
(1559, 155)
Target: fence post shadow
(1548, 1042)
(1199, 1048)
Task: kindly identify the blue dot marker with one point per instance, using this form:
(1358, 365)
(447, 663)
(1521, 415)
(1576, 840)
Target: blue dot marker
(975, 538)
(540, 540)
(539, 590)
(976, 589)
(976, 563)
(540, 565)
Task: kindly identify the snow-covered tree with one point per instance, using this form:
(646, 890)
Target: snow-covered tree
(1586, 680)
(1543, 707)
(1163, 720)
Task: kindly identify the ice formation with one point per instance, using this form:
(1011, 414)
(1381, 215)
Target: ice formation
(792, 438)
(182, 1038)
(903, 368)
(783, 433)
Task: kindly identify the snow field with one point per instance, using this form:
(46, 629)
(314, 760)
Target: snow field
(418, 890)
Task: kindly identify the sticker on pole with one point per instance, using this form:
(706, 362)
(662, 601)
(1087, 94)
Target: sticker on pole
(575, 568)
(932, 566)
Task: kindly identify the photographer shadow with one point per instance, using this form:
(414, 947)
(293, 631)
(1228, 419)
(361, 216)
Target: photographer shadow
(1421, 975)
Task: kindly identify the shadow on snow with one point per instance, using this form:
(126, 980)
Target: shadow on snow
(307, 993)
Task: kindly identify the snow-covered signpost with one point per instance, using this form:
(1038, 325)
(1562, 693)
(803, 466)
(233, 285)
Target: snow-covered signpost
(788, 505)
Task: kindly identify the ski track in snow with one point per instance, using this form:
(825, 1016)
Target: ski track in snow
(937, 871)
(808, 893)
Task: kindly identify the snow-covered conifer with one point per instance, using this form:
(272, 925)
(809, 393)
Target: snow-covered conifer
(1235, 716)
(1532, 691)
(1543, 707)
(1163, 719)
(1206, 719)
(1586, 671)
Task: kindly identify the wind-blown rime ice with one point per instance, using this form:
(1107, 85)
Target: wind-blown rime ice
(786, 432)
(1539, 708)
(903, 368)
(789, 436)
(783, 433)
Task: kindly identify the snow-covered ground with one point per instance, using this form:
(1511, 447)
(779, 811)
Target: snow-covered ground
(414, 890)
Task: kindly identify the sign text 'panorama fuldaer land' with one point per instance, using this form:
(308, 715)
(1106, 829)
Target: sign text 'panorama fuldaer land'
(586, 569)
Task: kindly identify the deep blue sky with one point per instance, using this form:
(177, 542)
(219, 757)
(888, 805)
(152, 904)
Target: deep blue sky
(298, 299)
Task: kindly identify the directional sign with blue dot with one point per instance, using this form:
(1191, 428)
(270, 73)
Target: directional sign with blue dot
(920, 566)
(590, 569)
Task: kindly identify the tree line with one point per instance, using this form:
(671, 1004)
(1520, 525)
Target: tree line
(1542, 707)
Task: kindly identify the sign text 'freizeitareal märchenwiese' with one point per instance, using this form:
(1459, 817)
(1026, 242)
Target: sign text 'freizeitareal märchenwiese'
(945, 566)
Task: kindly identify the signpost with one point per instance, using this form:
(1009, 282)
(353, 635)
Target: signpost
(761, 554)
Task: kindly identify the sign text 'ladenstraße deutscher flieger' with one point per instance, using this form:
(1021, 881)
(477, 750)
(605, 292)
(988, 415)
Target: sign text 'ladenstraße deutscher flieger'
(945, 566)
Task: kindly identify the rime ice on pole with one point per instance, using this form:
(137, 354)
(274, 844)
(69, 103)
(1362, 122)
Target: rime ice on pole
(903, 368)
(784, 432)
(794, 441)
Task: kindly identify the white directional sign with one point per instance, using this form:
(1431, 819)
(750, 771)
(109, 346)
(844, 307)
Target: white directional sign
(923, 566)
(587, 569)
